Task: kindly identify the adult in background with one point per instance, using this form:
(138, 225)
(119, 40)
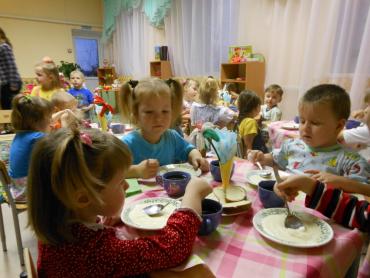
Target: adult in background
(10, 81)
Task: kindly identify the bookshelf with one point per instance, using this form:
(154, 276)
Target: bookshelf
(106, 76)
(248, 75)
(160, 69)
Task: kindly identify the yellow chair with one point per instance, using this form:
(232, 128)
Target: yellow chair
(16, 209)
(30, 266)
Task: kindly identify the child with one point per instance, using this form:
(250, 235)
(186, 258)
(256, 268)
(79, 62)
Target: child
(359, 136)
(76, 176)
(270, 111)
(191, 87)
(323, 112)
(207, 110)
(249, 107)
(65, 110)
(153, 105)
(84, 96)
(47, 76)
(31, 120)
(229, 94)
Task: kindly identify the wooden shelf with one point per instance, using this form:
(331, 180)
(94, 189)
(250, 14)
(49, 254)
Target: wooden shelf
(251, 74)
(160, 69)
(106, 76)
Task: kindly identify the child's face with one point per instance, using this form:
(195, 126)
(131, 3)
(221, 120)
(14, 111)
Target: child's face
(272, 99)
(154, 116)
(76, 81)
(42, 78)
(367, 115)
(191, 92)
(318, 125)
(113, 196)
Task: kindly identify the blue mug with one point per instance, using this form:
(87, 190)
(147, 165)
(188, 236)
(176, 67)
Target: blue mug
(211, 215)
(215, 170)
(267, 196)
(174, 182)
(352, 124)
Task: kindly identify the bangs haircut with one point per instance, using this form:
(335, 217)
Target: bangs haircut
(61, 164)
(334, 95)
(274, 88)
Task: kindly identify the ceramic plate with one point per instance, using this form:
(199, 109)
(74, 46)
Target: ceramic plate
(235, 210)
(134, 216)
(253, 177)
(270, 224)
(185, 167)
(290, 126)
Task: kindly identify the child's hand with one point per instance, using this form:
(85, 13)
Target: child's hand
(200, 162)
(111, 220)
(290, 187)
(254, 156)
(148, 168)
(195, 192)
(325, 177)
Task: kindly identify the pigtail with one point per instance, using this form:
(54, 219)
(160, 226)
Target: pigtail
(126, 99)
(176, 98)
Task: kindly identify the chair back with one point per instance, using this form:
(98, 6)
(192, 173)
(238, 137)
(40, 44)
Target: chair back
(29, 264)
(5, 116)
(4, 176)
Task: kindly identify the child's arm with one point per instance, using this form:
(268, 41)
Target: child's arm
(196, 190)
(146, 169)
(87, 108)
(264, 158)
(196, 159)
(344, 183)
(248, 142)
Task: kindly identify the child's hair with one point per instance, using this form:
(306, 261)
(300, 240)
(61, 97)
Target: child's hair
(30, 112)
(188, 81)
(231, 87)
(132, 93)
(78, 72)
(61, 99)
(4, 38)
(51, 71)
(274, 88)
(208, 91)
(247, 101)
(63, 163)
(331, 94)
(367, 96)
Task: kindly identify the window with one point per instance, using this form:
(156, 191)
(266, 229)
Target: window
(87, 49)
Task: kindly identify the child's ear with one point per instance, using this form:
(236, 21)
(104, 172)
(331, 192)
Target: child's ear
(341, 125)
(82, 199)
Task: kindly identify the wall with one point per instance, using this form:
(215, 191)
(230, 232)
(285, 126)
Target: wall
(38, 28)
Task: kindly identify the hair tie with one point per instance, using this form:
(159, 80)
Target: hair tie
(169, 81)
(28, 98)
(85, 139)
(133, 83)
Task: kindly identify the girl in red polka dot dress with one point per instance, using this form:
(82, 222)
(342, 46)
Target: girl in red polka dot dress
(76, 176)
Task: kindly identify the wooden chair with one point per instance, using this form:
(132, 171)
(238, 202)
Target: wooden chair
(16, 209)
(29, 264)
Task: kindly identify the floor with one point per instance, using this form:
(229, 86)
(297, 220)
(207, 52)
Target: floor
(9, 260)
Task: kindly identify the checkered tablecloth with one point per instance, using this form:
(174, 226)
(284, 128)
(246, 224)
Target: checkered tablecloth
(236, 249)
(277, 134)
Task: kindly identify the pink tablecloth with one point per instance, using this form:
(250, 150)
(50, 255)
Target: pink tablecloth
(277, 134)
(236, 249)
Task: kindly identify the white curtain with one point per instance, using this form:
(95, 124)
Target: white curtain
(198, 33)
(310, 42)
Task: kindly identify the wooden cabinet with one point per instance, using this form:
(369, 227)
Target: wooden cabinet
(160, 69)
(248, 75)
(106, 76)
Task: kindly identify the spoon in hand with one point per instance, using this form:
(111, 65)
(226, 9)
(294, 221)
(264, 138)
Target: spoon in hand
(291, 221)
(264, 173)
(155, 209)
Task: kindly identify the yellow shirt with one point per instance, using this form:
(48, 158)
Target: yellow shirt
(248, 126)
(37, 91)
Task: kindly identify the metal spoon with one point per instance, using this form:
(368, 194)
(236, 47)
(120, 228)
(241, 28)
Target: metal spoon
(291, 221)
(155, 209)
(264, 173)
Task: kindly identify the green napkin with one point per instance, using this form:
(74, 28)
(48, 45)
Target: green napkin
(134, 187)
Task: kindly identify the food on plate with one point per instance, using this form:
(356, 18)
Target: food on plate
(234, 206)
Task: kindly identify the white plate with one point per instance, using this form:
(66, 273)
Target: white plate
(324, 231)
(253, 176)
(185, 167)
(134, 216)
(290, 126)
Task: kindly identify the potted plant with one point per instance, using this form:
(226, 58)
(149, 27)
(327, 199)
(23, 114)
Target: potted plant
(66, 68)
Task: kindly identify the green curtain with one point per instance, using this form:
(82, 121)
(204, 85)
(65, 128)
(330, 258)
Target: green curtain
(155, 10)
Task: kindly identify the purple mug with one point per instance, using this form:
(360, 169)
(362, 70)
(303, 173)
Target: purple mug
(174, 182)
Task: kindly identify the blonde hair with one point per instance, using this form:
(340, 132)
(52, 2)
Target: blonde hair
(208, 91)
(61, 99)
(131, 96)
(52, 72)
(77, 72)
(188, 82)
(30, 112)
(63, 163)
(274, 88)
(367, 96)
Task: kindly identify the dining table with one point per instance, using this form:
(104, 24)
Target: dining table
(279, 131)
(237, 249)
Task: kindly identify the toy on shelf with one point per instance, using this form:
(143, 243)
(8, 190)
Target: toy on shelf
(239, 54)
(103, 111)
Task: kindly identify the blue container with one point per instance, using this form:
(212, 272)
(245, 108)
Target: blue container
(267, 196)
